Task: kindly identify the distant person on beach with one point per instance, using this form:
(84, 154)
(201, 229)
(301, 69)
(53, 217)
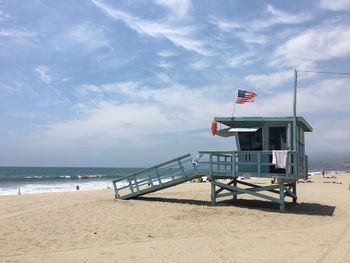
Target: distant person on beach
(77, 187)
(323, 173)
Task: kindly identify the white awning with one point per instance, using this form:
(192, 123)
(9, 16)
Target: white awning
(243, 129)
(228, 132)
(225, 132)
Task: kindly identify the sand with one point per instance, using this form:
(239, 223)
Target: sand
(177, 225)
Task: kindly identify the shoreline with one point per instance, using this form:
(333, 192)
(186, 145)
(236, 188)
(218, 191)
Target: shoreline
(87, 185)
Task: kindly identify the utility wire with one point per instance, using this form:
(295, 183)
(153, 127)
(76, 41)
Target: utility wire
(325, 72)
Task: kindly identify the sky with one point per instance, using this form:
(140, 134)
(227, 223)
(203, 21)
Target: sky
(135, 83)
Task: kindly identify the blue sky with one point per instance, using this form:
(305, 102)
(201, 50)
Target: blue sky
(134, 83)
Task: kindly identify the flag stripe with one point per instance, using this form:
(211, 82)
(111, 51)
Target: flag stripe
(245, 96)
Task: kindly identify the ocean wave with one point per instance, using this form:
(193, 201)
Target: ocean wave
(89, 176)
(57, 177)
(37, 174)
(58, 186)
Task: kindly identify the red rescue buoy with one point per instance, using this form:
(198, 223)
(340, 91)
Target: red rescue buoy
(214, 127)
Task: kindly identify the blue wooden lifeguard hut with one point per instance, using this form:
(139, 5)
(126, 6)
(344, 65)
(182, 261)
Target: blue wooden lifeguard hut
(257, 140)
(266, 147)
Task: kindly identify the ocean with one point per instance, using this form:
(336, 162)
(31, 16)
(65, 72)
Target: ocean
(32, 180)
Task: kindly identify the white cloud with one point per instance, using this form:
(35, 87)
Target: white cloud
(166, 53)
(313, 97)
(225, 25)
(164, 65)
(327, 95)
(330, 139)
(200, 65)
(269, 81)
(89, 35)
(136, 130)
(241, 60)
(85, 37)
(325, 42)
(240, 30)
(250, 32)
(335, 5)
(16, 33)
(150, 120)
(43, 74)
(181, 36)
(279, 17)
(145, 113)
(179, 8)
(253, 38)
(4, 16)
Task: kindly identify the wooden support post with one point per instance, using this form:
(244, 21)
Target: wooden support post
(217, 163)
(213, 194)
(294, 185)
(115, 190)
(158, 176)
(136, 184)
(235, 185)
(130, 186)
(233, 165)
(282, 186)
(150, 181)
(181, 167)
(259, 164)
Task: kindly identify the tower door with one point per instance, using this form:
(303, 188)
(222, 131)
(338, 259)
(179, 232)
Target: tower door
(277, 141)
(278, 138)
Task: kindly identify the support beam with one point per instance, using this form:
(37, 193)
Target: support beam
(221, 189)
(236, 191)
(235, 185)
(282, 187)
(213, 193)
(289, 192)
(272, 191)
(295, 192)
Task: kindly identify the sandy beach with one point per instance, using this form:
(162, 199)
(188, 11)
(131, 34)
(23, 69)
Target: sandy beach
(177, 225)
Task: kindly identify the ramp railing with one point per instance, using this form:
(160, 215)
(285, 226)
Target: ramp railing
(161, 176)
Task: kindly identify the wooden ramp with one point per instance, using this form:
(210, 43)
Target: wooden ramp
(161, 176)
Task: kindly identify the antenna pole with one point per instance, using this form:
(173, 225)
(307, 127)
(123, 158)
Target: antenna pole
(295, 93)
(295, 110)
(295, 128)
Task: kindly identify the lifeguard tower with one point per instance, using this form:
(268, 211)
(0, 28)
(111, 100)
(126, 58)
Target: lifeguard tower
(266, 147)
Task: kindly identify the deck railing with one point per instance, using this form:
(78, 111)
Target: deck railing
(247, 163)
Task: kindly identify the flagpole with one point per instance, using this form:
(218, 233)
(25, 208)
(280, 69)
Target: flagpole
(295, 110)
(295, 125)
(233, 108)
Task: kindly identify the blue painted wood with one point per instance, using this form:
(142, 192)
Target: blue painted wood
(218, 167)
(222, 164)
(167, 174)
(213, 192)
(236, 191)
(282, 195)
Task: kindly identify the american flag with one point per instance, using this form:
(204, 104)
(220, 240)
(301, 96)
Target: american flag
(245, 96)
